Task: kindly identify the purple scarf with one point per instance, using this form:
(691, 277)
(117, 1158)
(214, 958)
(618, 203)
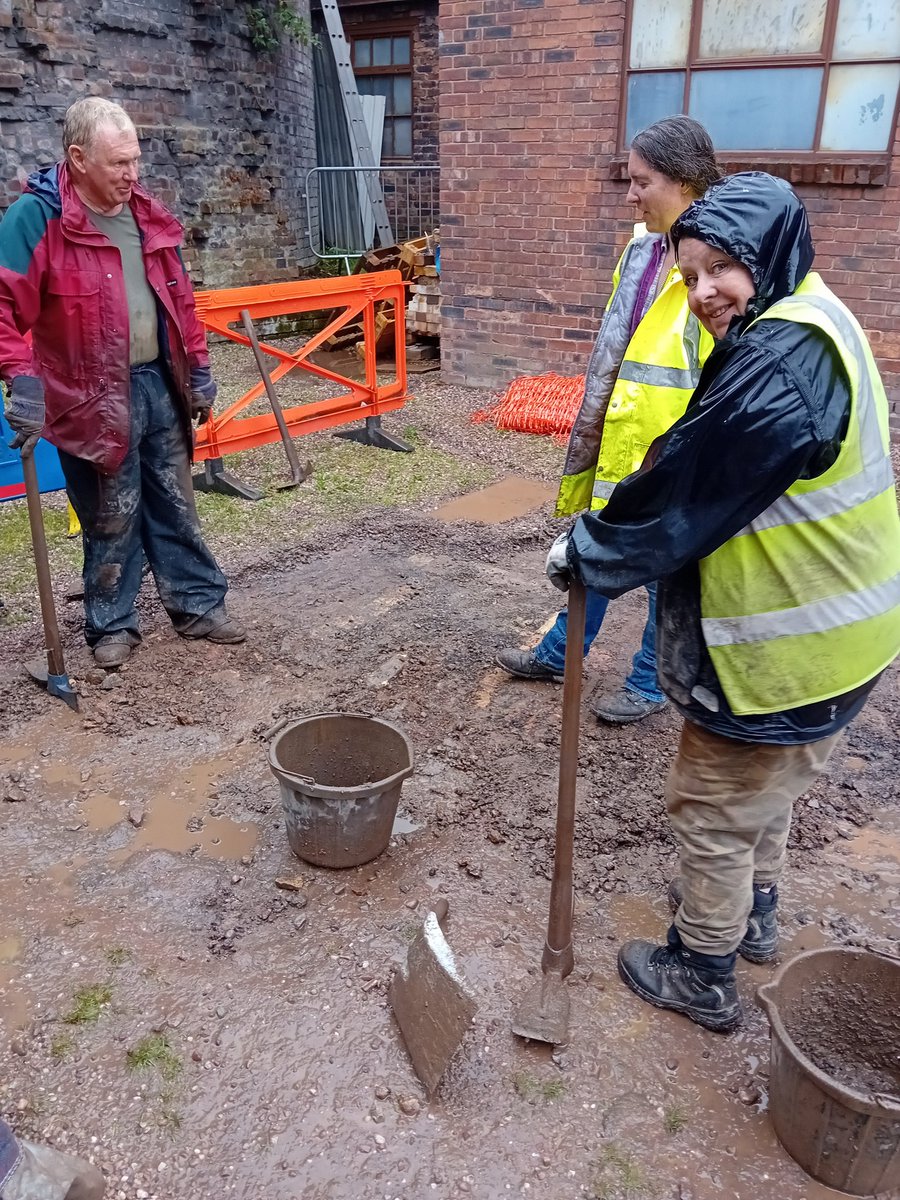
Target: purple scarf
(644, 296)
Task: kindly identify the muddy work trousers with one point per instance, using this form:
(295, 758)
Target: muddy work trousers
(146, 508)
(730, 805)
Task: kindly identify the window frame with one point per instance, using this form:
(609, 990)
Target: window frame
(368, 31)
(803, 160)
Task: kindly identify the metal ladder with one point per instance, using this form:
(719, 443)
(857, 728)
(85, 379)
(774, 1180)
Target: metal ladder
(359, 134)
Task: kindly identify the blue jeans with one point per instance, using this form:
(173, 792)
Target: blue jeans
(642, 679)
(144, 508)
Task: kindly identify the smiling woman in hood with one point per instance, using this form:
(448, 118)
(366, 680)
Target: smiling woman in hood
(760, 222)
(769, 513)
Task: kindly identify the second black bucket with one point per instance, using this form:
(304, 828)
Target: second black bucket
(340, 777)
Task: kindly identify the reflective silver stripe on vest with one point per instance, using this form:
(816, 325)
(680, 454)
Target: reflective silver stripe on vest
(876, 475)
(603, 489)
(817, 617)
(827, 502)
(653, 376)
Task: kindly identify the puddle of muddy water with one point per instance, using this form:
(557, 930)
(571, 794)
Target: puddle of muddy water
(174, 819)
(513, 496)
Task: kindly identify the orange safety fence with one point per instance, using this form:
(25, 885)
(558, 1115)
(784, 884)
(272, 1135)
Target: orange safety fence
(354, 296)
(546, 404)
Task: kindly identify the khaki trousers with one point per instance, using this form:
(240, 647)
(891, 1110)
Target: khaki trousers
(730, 805)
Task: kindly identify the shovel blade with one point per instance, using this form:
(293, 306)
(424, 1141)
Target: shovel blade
(432, 1003)
(57, 685)
(543, 1015)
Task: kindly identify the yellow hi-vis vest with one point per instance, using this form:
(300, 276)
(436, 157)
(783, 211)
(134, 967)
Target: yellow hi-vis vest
(653, 384)
(804, 603)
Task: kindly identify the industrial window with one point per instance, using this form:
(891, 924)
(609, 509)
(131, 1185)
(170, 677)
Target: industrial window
(813, 76)
(382, 64)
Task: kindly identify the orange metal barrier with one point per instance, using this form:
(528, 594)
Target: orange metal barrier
(354, 295)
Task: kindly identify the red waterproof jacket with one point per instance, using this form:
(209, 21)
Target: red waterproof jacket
(62, 280)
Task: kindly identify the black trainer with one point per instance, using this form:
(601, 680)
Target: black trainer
(760, 942)
(701, 986)
(524, 665)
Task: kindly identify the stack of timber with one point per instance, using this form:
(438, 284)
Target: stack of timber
(416, 260)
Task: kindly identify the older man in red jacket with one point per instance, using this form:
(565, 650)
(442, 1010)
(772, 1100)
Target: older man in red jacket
(116, 370)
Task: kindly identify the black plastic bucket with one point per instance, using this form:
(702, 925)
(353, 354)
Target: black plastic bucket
(834, 1093)
(340, 777)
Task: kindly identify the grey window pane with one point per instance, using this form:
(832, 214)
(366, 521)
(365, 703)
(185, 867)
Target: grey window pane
(659, 33)
(651, 97)
(868, 29)
(402, 137)
(401, 51)
(402, 94)
(362, 53)
(754, 28)
(765, 108)
(859, 107)
(381, 52)
(365, 85)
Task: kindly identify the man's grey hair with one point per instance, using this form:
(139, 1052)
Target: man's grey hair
(84, 118)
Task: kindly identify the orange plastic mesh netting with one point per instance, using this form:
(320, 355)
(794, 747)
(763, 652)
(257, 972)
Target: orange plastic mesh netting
(545, 404)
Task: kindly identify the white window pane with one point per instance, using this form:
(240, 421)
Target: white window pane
(764, 108)
(381, 52)
(659, 33)
(868, 29)
(652, 97)
(362, 53)
(761, 27)
(859, 107)
(402, 137)
(402, 94)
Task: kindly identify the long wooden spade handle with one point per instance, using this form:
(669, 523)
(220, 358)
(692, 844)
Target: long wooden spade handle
(55, 664)
(558, 954)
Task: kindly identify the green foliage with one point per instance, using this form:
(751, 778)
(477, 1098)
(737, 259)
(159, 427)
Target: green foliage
(268, 24)
(89, 1003)
(62, 1046)
(154, 1051)
(675, 1119)
(532, 1089)
(618, 1177)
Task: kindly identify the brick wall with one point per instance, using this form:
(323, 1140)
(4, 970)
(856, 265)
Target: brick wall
(534, 216)
(226, 131)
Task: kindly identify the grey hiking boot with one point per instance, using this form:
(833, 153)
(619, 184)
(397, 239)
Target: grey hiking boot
(112, 651)
(524, 665)
(760, 942)
(700, 986)
(624, 706)
(43, 1173)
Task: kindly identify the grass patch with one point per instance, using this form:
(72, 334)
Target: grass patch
(18, 582)
(618, 1176)
(88, 1004)
(675, 1119)
(116, 956)
(530, 1088)
(62, 1046)
(152, 1052)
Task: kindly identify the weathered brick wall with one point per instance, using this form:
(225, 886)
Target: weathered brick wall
(226, 131)
(534, 216)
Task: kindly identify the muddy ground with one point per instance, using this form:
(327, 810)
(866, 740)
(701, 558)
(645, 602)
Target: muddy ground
(198, 1032)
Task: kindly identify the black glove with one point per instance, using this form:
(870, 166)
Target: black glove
(203, 394)
(25, 412)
